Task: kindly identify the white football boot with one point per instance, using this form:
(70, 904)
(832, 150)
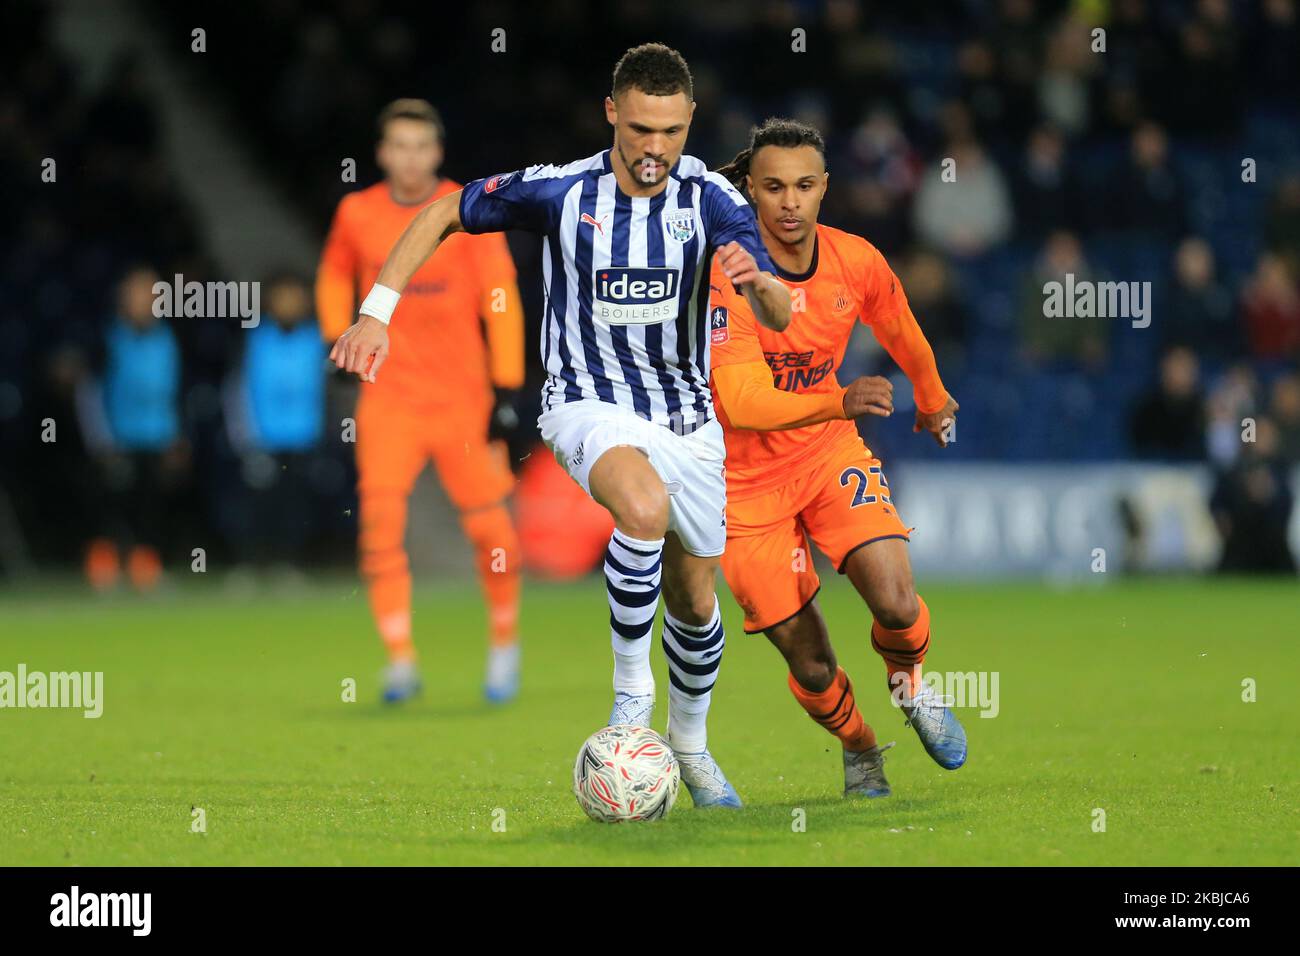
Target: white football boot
(635, 709)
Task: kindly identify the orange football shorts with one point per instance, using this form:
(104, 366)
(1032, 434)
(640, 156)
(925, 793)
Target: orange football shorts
(841, 502)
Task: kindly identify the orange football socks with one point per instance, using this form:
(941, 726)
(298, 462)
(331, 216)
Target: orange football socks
(904, 650)
(837, 711)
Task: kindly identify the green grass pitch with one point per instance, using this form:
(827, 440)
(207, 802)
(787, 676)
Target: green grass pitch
(1126, 698)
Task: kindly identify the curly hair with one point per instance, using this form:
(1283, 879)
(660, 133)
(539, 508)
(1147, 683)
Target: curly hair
(655, 69)
(774, 131)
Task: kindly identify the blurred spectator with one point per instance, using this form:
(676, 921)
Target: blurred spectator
(1270, 309)
(874, 181)
(1139, 72)
(276, 417)
(1272, 58)
(1200, 314)
(1285, 411)
(1168, 423)
(1046, 197)
(1251, 504)
(1148, 194)
(933, 297)
(1000, 71)
(1074, 341)
(981, 86)
(962, 207)
(1282, 223)
(1233, 400)
(132, 420)
(1063, 92)
(1208, 70)
(283, 388)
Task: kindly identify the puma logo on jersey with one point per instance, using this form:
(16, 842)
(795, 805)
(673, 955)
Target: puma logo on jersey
(598, 223)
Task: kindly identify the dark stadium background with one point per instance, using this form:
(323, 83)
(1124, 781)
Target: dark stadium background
(1125, 165)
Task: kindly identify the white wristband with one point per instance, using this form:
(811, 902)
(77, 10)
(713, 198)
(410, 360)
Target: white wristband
(380, 302)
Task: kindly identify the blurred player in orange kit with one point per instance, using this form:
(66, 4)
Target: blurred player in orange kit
(446, 396)
(796, 466)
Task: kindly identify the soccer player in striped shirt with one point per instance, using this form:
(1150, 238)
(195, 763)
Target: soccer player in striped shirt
(798, 468)
(628, 238)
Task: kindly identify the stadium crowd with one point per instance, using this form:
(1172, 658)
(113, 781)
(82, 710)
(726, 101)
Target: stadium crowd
(1170, 157)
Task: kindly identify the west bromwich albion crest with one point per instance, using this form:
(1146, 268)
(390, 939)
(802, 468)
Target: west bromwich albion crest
(680, 224)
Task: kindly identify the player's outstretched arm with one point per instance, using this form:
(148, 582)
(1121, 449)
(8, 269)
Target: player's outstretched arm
(906, 344)
(752, 402)
(434, 223)
(768, 297)
(363, 348)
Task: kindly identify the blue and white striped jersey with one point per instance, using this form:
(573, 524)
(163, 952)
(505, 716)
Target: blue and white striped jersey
(626, 278)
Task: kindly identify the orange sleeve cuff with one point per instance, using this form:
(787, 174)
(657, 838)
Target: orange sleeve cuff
(751, 401)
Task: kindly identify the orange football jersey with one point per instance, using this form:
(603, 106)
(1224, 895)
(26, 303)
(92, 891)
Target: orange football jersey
(849, 281)
(438, 356)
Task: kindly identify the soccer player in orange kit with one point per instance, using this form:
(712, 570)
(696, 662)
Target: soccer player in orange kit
(797, 467)
(446, 396)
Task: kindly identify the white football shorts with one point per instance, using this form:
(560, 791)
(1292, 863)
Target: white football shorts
(693, 467)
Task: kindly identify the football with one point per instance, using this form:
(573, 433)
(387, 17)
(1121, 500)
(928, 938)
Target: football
(626, 773)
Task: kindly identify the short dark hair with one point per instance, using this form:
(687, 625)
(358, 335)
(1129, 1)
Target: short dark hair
(655, 69)
(413, 109)
(775, 131)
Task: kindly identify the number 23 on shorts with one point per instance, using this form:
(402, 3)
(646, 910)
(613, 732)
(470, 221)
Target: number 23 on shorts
(859, 480)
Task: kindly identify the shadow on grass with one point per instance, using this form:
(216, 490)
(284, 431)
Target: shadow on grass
(766, 826)
(428, 707)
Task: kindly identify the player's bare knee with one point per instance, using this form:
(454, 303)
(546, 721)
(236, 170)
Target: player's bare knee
(897, 608)
(807, 650)
(702, 606)
(643, 515)
(689, 605)
(813, 672)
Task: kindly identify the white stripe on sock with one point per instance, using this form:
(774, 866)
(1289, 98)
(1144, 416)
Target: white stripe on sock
(632, 673)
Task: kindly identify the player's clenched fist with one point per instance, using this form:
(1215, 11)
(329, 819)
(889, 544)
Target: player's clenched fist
(869, 395)
(737, 264)
(362, 348)
(938, 423)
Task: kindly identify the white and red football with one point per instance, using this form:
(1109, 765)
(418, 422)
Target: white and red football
(626, 773)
